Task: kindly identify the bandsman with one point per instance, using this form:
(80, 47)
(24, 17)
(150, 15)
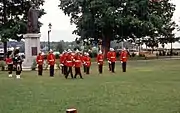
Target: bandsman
(18, 63)
(100, 62)
(51, 62)
(123, 59)
(40, 61)
(65, 62)
(69, 63)
(112, 59)
(108, 58)
(61, 59)
(9, 61)
(83, 61)
(87, 61)
(78, 64)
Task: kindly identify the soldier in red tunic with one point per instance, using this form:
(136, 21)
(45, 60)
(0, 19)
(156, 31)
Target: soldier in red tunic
(108, 58)
(40, 61)
(65, 62)
(87, 63)
(51, 61)
(112, 59)
(100, 62)
(123, 59)
(69, 64)
(61, 59)
(9, 61)
(78, 64)
(83, 59)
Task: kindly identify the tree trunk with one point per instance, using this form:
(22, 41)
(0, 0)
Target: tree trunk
(171, 52)
(5, 49)
(105, 46)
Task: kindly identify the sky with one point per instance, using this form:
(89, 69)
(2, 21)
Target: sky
(61, 28)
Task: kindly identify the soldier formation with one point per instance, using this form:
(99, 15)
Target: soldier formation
(76, 59)
(69, 60)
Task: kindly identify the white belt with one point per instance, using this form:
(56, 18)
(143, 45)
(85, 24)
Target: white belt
(124, 57)
(100, 60)
(69, 61)
(78, 61)
(39, 60)
(51, 60)
(112, 57)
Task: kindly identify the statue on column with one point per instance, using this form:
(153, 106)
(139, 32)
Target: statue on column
(33, 16)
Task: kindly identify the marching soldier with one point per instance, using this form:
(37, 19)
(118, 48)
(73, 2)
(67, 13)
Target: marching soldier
(39, 61)
(112, 59)
(123, 59)
(100, 61)
(18, 63)
(69, 64)
(78, 63)
(108, 58)
(83, 59)
(65, 62)
(87, 63)
(61, 58)
(51, 61)
(9, 62)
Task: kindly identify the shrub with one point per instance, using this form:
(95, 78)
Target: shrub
(58, 65)
(45, 65)
(2, 65)
(34, 65)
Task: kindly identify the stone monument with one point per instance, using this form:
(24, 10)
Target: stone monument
(32, 38)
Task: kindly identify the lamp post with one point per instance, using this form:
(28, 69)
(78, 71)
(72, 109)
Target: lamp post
(50, 25)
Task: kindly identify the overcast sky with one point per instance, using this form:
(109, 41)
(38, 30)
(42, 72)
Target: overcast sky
(61, 28)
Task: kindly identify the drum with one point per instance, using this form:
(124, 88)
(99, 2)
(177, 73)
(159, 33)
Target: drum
(18, 67)
(71, 110)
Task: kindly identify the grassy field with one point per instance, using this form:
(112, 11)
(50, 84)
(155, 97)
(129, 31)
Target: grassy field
(146, 87)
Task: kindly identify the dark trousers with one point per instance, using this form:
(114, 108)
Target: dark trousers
(10, 68)
(51, 70)
(109, 66)
(40, 69)
(69, 72)
(65, 70)
(124, 66)
(78, 72)
(84, 67)
(87, 70)
(62, 69)
(112, 66)
(100, 66)
(18, 69)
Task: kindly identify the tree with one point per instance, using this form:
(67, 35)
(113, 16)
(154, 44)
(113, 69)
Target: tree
(15, 19)
(59, 47)
(118, 19)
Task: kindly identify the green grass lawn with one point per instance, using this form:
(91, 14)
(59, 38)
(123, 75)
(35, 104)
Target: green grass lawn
(146, 87)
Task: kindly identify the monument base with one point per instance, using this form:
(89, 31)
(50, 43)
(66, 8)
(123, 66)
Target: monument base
(32, 47)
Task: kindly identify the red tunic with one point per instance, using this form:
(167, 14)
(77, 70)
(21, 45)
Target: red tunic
(77, 61)
(108, 55)
(9, 61)
(113, 56)
(88, 61)
(51, 59)
(123, 56)
(99, 59)
(65, 58)
(61, 58)
(39, 60)
(69, 60)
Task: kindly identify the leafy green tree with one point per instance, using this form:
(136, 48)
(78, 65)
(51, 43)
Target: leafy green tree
(119, 19)
(15, 19)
